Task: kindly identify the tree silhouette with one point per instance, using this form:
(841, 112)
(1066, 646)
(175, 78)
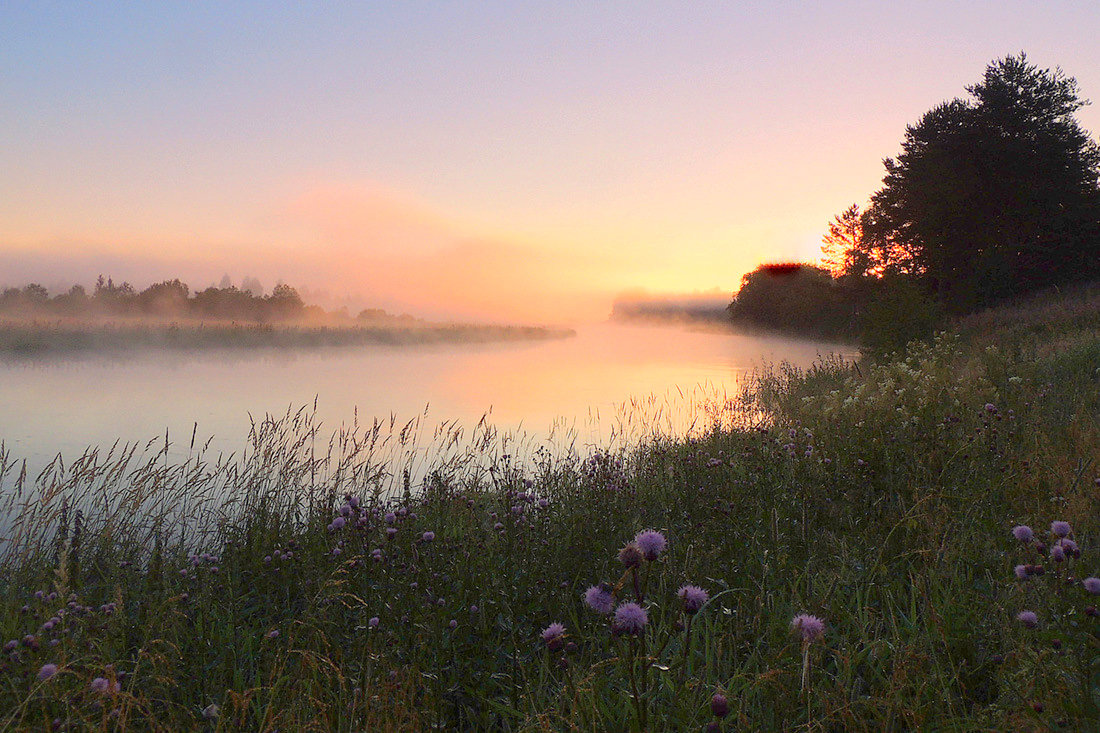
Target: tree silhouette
(993, 196)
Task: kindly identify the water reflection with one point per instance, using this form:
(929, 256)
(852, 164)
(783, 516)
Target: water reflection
(47, 407)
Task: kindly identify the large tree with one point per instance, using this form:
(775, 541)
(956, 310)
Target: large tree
(992, 196)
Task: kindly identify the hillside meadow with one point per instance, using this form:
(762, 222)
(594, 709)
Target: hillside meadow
(905, 543)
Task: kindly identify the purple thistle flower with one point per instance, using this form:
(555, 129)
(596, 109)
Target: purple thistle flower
(553, 635)
(338, 523)
(1023, 533)
(373, 622)
(651, 542)
(100, 685)
(631, 555)
(810, 628)
(1057, 554)
(543, 503)
(1021, 572)
(1070, 547)
(11, 646)
(390, 518)
(719, 705)
(693, 597)
(427, 536)
(1060, 529)
(1028, 619)
(630, 618)
(47, 671)
(599, 599)
(273, 634)
(453, 624)
(1092, 585)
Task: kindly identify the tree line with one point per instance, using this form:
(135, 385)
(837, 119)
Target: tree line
(992, 197)
(167, 299)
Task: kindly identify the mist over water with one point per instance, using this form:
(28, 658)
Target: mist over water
(539, 388)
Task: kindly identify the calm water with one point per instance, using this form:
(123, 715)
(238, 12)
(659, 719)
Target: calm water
(65, 406)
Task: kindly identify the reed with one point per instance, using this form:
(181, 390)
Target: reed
(406, 576)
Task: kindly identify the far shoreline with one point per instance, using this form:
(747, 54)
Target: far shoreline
(40, 338)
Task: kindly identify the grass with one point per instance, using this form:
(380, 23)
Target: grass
(878, 497)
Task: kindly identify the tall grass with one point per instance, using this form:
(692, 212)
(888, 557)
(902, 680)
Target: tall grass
(267, 591)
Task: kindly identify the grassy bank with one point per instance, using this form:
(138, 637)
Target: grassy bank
(50, 338)
(320, 595)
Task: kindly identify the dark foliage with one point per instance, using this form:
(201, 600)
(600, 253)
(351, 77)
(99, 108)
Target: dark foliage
(796, 298)
(993, 196)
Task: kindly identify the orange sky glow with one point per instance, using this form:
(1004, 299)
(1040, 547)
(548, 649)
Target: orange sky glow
(505, 162)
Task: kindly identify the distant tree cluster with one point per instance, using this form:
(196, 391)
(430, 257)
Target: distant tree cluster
(991, 197)
(167, 299)
(795, 297)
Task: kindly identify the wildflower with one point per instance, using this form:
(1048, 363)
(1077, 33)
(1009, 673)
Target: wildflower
(1070, 547)
(391, 532)
(599, 599)
(719, 705)
(552, 635)
(1023, 533)
(11, 646)
(390, 518)
(453, 624)
(373, 622)
(338, 523)
(651, 542)
(543, 503)
(1092, 585)
(273, 634)
(693, 597)
(810, 628)
(47, 671)
(1028, 619)
(1021, 572)
(1057, 554)
(631, 555)
(498, 526)
(1060, 529)
(990, 407)
(473, 609)
(100, 685)
(210, 712)
(630, 618)
(427, 536)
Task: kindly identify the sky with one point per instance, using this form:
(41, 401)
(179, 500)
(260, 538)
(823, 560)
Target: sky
(505, 161)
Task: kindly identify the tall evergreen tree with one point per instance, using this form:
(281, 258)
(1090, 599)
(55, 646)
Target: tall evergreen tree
(992, 196)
